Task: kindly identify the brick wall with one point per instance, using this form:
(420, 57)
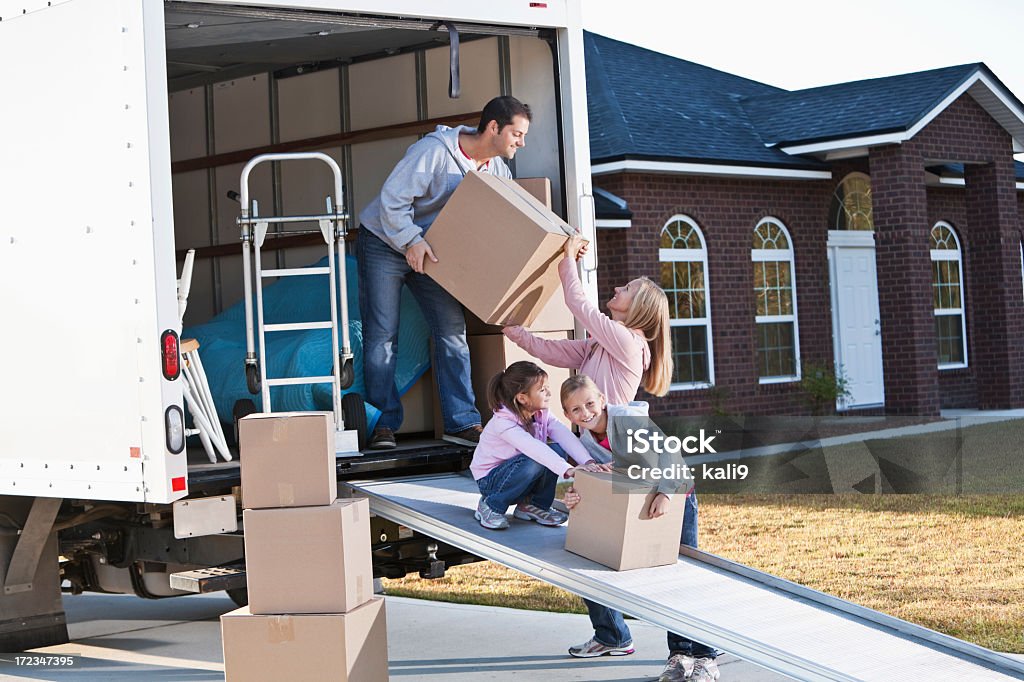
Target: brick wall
(727, 211)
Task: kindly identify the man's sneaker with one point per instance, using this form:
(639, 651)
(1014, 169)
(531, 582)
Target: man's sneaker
(489, 518)
(383, 438)
(470, 436)
(592, 648)
(545, 517)
(704, 670)
(678, 668)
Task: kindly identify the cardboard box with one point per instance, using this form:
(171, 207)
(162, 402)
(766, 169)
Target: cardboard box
(287, 459)
(336, 647)
(538, 188)
(610, 524)
(554, 316)
(492, 353)
(308, 559)
(498, 249)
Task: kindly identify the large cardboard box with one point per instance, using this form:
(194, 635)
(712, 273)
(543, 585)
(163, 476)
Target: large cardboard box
(308, 559)
(334, 647)
(610, 524)
(539, 189)
(287, 459)
(554, 316)
(498, 249)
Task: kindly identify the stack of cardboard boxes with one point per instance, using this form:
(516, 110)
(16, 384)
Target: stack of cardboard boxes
(499, 245)
(312, 614)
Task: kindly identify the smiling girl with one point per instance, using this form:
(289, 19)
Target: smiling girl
(513, 463)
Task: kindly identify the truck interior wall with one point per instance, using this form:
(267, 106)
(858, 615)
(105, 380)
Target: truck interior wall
(532, 79)
(259, 110)
(307, 106)
(381, 92)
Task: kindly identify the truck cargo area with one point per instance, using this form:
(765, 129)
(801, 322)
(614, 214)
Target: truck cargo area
(784, 627)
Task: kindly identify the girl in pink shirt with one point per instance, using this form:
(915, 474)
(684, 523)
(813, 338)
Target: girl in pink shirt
(513, 463)
(627, 348)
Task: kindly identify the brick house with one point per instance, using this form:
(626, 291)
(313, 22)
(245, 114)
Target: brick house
(873, 226)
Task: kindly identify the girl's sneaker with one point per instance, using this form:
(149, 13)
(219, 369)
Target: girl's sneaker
(593, 648)
(545, 517)
(489, 518)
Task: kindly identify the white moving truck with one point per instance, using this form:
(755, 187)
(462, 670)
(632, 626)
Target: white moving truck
(125, 123)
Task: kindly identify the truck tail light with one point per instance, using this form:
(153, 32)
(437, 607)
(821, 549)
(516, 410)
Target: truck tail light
(174, 425)
(171, 359)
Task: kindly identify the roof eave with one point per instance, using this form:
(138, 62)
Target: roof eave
(704, 167)
(983, 87)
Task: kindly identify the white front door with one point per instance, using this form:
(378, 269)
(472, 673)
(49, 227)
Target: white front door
(856, 326)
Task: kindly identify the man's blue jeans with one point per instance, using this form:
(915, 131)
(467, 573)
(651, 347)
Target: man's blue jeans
(516, 479)
(609, 626)
(382, 274)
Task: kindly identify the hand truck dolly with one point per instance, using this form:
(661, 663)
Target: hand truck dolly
(332, 225)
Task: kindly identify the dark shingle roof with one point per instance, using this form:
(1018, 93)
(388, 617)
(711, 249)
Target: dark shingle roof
(648, 105)
(867, 107)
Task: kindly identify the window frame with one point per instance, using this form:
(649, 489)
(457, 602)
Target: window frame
(691, 256)
(951, 255)
(774, 256)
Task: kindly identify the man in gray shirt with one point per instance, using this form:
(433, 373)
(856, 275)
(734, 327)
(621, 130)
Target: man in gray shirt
(392, 247)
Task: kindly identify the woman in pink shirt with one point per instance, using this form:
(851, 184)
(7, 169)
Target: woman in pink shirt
(513, 463)
(627, 348)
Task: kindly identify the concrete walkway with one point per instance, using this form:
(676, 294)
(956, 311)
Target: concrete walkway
(124, 638)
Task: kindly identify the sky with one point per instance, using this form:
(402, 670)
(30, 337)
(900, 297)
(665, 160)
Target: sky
(796, 44)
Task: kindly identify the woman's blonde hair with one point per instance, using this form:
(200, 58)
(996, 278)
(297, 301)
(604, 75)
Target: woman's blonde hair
(649, 313)
(576, 383)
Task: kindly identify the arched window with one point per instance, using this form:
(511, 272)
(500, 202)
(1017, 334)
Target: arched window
(778, 339)
(851, 204)
(684, 269)
(948, 296)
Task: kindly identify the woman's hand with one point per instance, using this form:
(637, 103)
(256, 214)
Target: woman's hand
(571, 498)
(659, 507)
(574, 247)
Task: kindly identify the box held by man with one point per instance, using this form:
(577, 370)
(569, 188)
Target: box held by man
(498, 249)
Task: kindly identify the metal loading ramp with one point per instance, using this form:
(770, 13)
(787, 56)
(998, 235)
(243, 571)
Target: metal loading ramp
(771, 622)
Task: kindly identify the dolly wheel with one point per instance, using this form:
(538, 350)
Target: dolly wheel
(252, 378)
(348, 372)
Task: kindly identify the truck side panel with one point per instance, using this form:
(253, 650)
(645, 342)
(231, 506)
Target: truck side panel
(85, 398)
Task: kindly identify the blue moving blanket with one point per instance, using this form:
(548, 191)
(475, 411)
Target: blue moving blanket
(302, 353)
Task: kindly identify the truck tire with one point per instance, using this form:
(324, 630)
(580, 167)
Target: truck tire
(353, 411)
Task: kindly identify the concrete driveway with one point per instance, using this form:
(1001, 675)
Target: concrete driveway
(122, 637)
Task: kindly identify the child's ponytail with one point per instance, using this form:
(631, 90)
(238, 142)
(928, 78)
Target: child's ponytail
(504, 386)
